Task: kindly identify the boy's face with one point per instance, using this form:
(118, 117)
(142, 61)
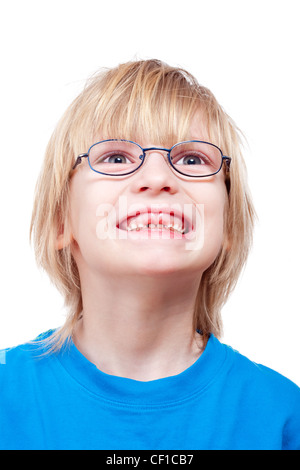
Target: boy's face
(132, 225)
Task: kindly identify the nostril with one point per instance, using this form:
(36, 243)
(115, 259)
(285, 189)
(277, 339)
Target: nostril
(165, 188)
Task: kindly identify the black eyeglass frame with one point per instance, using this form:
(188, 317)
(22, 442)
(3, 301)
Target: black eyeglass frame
(225, 159)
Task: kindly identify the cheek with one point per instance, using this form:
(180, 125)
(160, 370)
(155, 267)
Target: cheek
(92, 229)
(214, 216)
(211, 228)
(81, 211)
(84, 219)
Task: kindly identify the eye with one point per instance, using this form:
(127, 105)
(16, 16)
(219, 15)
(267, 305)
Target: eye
(114, 157)
(191, 159)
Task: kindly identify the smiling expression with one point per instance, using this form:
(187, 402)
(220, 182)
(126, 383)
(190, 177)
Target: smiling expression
(148, 217)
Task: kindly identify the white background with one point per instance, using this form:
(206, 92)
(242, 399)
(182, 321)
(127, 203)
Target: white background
(246, 52)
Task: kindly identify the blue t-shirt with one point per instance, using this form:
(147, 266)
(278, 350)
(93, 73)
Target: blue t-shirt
(223, 401)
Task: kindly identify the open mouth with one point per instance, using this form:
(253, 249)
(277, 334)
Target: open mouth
(160, 221)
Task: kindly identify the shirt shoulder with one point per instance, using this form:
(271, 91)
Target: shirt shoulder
(19, 363)
(259, 373)
(268, 393)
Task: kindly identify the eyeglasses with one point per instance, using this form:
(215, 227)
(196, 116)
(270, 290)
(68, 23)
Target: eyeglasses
(118, 157)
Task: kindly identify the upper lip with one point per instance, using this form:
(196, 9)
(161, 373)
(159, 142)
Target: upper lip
(156, 209)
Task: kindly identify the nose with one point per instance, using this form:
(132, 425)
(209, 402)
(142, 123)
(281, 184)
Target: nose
(155, 175)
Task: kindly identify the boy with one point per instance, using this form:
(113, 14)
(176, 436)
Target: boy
(145, 234)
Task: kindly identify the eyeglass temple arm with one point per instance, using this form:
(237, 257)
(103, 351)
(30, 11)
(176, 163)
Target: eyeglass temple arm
(227, 173)
(227, 162)
(79, 158)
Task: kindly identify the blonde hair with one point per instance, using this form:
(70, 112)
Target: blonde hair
(141, 100)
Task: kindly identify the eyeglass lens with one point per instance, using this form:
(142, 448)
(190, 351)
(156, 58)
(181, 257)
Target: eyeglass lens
(116, 157)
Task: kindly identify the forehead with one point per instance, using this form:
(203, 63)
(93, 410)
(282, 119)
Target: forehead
(159, 132)
(198, 127)
(158, 107)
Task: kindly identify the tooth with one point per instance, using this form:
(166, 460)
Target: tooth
(171, 227)
(159, 226)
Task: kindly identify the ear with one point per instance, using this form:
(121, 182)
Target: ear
(228, 246)
(64, 238)
(227, 242)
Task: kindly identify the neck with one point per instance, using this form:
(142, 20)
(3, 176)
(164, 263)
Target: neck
(145, 331)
